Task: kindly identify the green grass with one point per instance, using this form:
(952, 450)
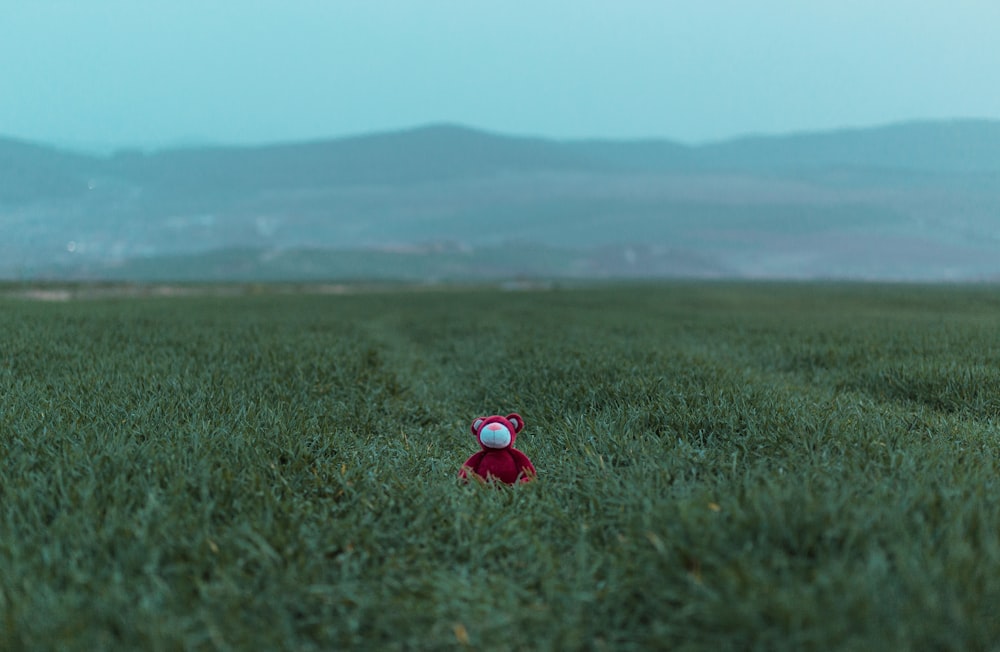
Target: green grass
(721, 467)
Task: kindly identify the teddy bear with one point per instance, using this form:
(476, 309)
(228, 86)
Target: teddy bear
(498, 460)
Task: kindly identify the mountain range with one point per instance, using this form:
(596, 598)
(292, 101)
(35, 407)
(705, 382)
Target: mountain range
(912, 201)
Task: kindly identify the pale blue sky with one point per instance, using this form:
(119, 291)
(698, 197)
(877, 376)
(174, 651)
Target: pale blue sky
(154, 72)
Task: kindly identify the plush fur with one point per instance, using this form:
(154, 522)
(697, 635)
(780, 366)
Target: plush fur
(498, 460)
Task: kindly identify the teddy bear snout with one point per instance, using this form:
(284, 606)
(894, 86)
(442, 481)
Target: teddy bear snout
(495, 435)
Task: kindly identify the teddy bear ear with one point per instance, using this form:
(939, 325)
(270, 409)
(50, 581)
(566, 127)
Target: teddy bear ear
(516, 421)
(475, 425)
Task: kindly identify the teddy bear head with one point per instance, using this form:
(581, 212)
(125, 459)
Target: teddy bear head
(497, 432)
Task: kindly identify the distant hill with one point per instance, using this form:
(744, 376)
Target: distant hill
(925, 195)
(446, 152)
(31, 172)
(959, 146)
(430, 154)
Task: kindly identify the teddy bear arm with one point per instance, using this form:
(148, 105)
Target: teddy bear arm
(525, 469)
(471, 464)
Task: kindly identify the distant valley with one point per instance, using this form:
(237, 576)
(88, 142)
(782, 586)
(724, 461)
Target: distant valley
(915, 201)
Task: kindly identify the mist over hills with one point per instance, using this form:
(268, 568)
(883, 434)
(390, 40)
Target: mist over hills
(914, 201)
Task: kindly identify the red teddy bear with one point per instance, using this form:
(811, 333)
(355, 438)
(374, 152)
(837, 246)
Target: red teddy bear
(499, 459)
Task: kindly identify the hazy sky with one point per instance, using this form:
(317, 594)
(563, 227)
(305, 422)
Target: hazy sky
(153, 72)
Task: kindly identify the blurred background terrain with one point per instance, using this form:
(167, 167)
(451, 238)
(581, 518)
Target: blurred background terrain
(907, 201)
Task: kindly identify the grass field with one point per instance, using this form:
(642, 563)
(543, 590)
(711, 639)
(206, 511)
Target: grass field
(721, 467)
